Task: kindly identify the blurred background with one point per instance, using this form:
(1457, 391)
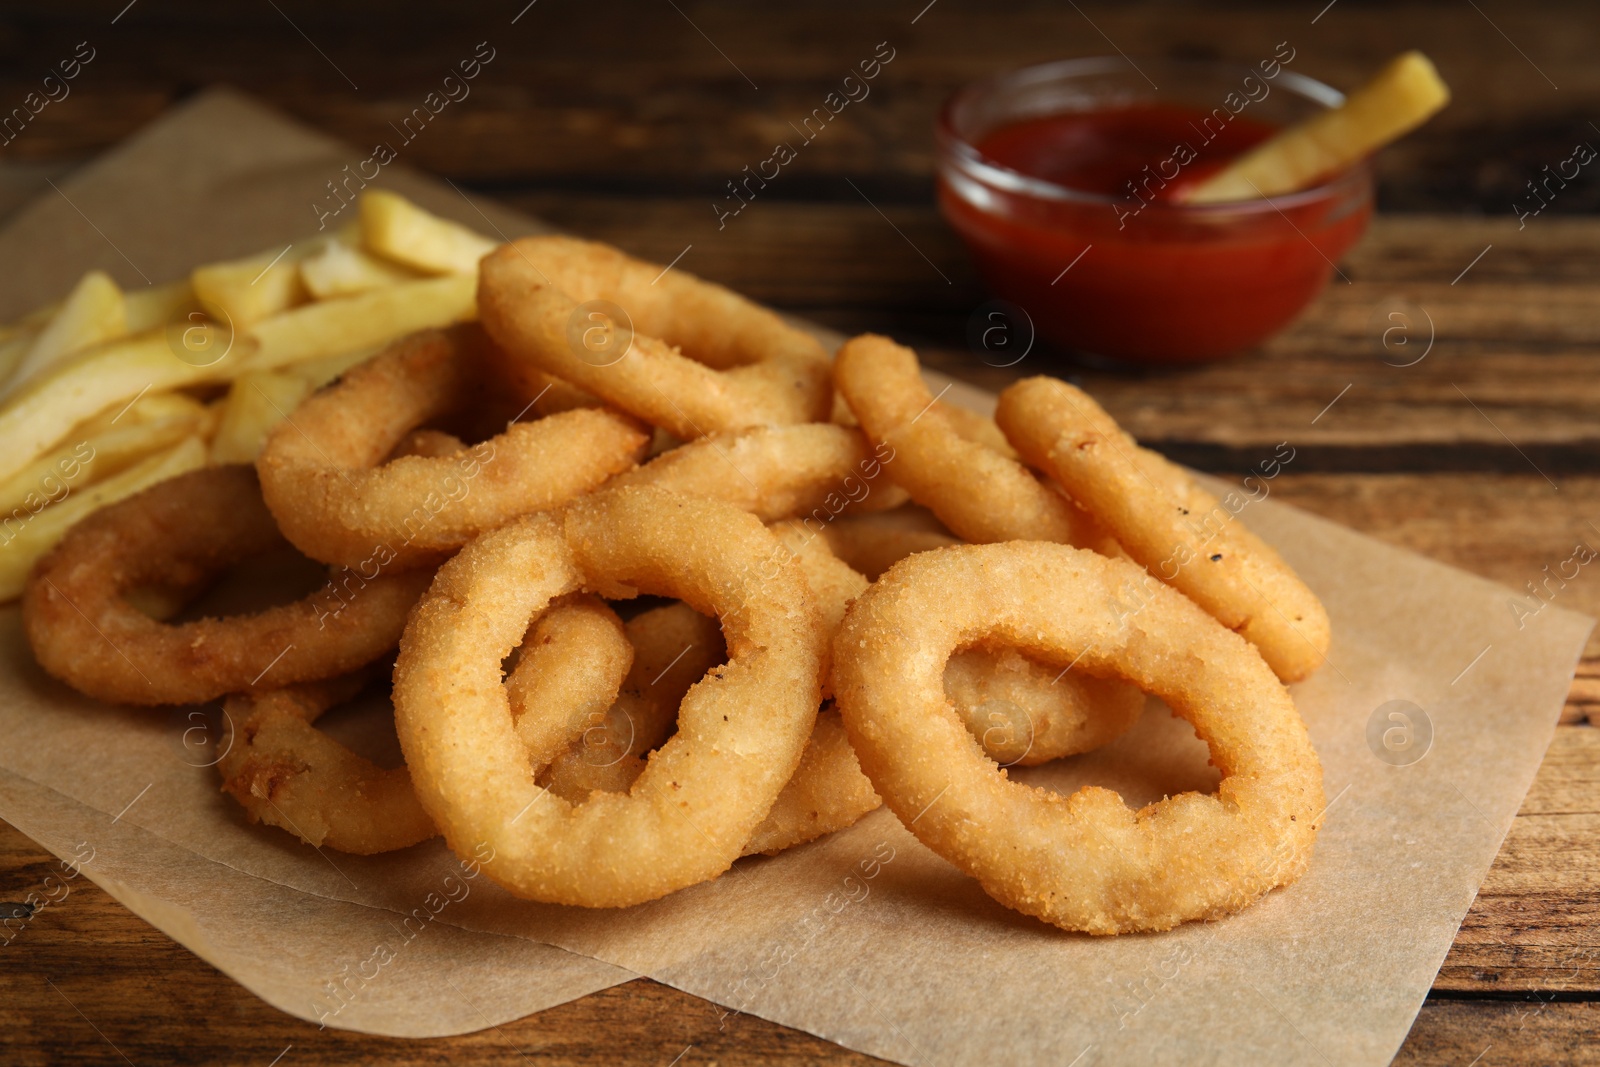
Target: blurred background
(625, 121)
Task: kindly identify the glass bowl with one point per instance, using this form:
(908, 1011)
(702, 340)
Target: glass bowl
(1131, 279)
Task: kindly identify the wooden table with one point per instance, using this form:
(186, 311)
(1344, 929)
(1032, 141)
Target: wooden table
(623, 123)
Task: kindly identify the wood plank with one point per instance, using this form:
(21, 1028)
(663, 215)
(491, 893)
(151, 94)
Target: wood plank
(1535, 926)
(641, 100)
(156, 1003)
(1486, 1033)
(112, 967)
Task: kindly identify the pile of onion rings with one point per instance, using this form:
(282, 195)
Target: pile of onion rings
(872, 598)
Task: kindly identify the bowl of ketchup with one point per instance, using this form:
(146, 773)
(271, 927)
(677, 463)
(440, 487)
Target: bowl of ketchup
(1060, 178)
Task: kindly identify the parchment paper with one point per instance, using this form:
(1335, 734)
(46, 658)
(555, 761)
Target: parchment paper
(865, 938)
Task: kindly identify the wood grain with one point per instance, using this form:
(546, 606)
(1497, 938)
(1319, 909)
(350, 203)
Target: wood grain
(624, 123)
(643, 97)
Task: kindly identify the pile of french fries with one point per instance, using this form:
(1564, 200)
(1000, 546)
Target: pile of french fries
(109, 392)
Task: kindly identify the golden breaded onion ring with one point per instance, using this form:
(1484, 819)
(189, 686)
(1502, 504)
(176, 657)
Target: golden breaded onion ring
(981, 494)
(741, 730)
(1179, 532)
(1086, 861)
(873, 543)
(287, 773)
(1019, 711)
(701, 358)
(812, 470)
(323, 475)
(178, 534)
(674, 647)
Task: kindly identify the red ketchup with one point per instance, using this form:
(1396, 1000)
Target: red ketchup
(1157, 281)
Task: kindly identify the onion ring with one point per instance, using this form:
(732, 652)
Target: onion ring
(573, 660)
(741, 729)
(1024, 713)
(320, 477)
(873, 543)
(828, 792)
(287, 773)
(673, 647)
(177, 534)
(1019, 711)
(748, 367)
(978, 492)
(1179, 532)
(1084, 862)
(427, 442)
(814, 470)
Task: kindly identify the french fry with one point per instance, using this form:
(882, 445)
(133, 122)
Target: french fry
(40, 317)
(152, 407)
(157, 305)
(13, 348)
(344, 268)
(359, 323)
(256, 287)
(1399, 98)
(23, 542)
(93, 313)
(278, 325)
(43, 412)
(397, 229)
(257, 402)
(320, 372)
(99, 449)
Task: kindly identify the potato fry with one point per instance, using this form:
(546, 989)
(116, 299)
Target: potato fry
(43, 413)
(13, 348)
(93, 313)
(397, 229)
(358, 323)
(1399, 98)
(256, 287)
(257, 402)
(97, 449)
(157, 305)
(152, 407)
(40, 317)
(21, 543)
(320, 372)
(344, 268)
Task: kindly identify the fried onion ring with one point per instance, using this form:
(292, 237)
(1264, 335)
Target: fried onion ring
(177, 535)
(739, 365)
(1020, 712)
(321, 476)
(828, 792)
(873, 543)
(977, 491)
(741, 730)
(1179, 532)
(1084, 862)
(674, 647)
(1024, 713)
(287, 773)
(573, 660)
(778, 472)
